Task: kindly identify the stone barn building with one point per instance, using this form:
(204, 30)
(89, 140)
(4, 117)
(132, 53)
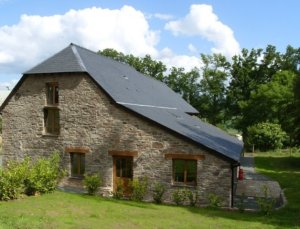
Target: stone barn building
(105, 117)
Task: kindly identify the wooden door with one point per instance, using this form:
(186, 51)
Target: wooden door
(123, 173)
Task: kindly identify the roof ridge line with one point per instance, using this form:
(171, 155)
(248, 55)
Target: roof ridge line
(78, 57)
(145, 105)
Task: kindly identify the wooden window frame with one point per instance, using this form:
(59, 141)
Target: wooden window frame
(53, 127)
(52, 98)
(77, 175)
(115, 158)
(185, 172)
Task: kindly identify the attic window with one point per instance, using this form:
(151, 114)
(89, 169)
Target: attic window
(52, 93)
(51, 110)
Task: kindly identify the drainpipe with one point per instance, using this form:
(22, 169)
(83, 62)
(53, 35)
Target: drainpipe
(233, 166)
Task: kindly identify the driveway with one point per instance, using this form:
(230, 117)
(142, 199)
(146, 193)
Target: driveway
(255, 185)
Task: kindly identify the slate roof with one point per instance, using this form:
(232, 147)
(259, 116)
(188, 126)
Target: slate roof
(141, 94)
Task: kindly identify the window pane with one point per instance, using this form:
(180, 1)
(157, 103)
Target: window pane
(118, 167)
(191, 167)
(128, 168)
(82, 164)
(49, 94)
(178, 170)
(56, 121)
(124, 167)
(56, 95)
(52, 93)
(46, 119)
(51, 120)
(74, 164)
(77, 164)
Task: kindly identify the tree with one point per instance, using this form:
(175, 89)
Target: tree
(266, 136)
(274, 102)
(146, 65)
(211, 102)
(249, 71)
(297, 110)
(184, 83)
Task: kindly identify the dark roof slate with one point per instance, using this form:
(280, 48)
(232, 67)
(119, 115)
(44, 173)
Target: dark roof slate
(143, 95)
(194, 129)
(122, 82)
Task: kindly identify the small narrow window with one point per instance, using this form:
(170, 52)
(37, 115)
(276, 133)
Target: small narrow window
(185, 171)
(52, 93)
(51, 111)
(51, 120)
(77, 164)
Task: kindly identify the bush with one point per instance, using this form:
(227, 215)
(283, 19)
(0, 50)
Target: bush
(119, 192)
(266, 136)
(139, 188)
(12, 180)
(158, 192)
(92, 183)
(193, 197)
(43, 175)
(28, 177)
(266, 203)
(214, 200)
(179, 196)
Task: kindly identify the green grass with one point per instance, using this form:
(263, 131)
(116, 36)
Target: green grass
(284, 168)
(65, 210)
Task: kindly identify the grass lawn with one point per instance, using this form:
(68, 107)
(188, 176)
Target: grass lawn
(65, 210)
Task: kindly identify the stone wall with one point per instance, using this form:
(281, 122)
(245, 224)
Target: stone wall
(90, 119)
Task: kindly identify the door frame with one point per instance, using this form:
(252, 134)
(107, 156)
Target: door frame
(115, 169)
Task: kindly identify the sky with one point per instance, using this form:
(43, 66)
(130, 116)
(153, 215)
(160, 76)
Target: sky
(172, 31)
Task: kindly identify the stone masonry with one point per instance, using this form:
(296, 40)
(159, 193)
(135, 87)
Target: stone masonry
(89, 119)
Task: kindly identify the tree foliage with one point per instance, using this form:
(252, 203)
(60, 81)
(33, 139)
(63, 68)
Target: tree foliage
(257, 85)
(266, 136)
(212, 97)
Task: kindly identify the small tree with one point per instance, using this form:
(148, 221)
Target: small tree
(266, 136)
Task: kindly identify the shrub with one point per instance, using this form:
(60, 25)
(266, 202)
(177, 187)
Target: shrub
(193, 197)
(92, 183)
(139, 188)
(12, 180)
(28, 177)
(214, 200)
(266, 203)
(119, 192)
(43, 176)
(266, 136)
(158, 192)
(179, 196)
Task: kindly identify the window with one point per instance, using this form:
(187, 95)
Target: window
(51, 111)
(52, 93)
(124, 167)
(77, 164)
(51, 120)
(185, 171)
